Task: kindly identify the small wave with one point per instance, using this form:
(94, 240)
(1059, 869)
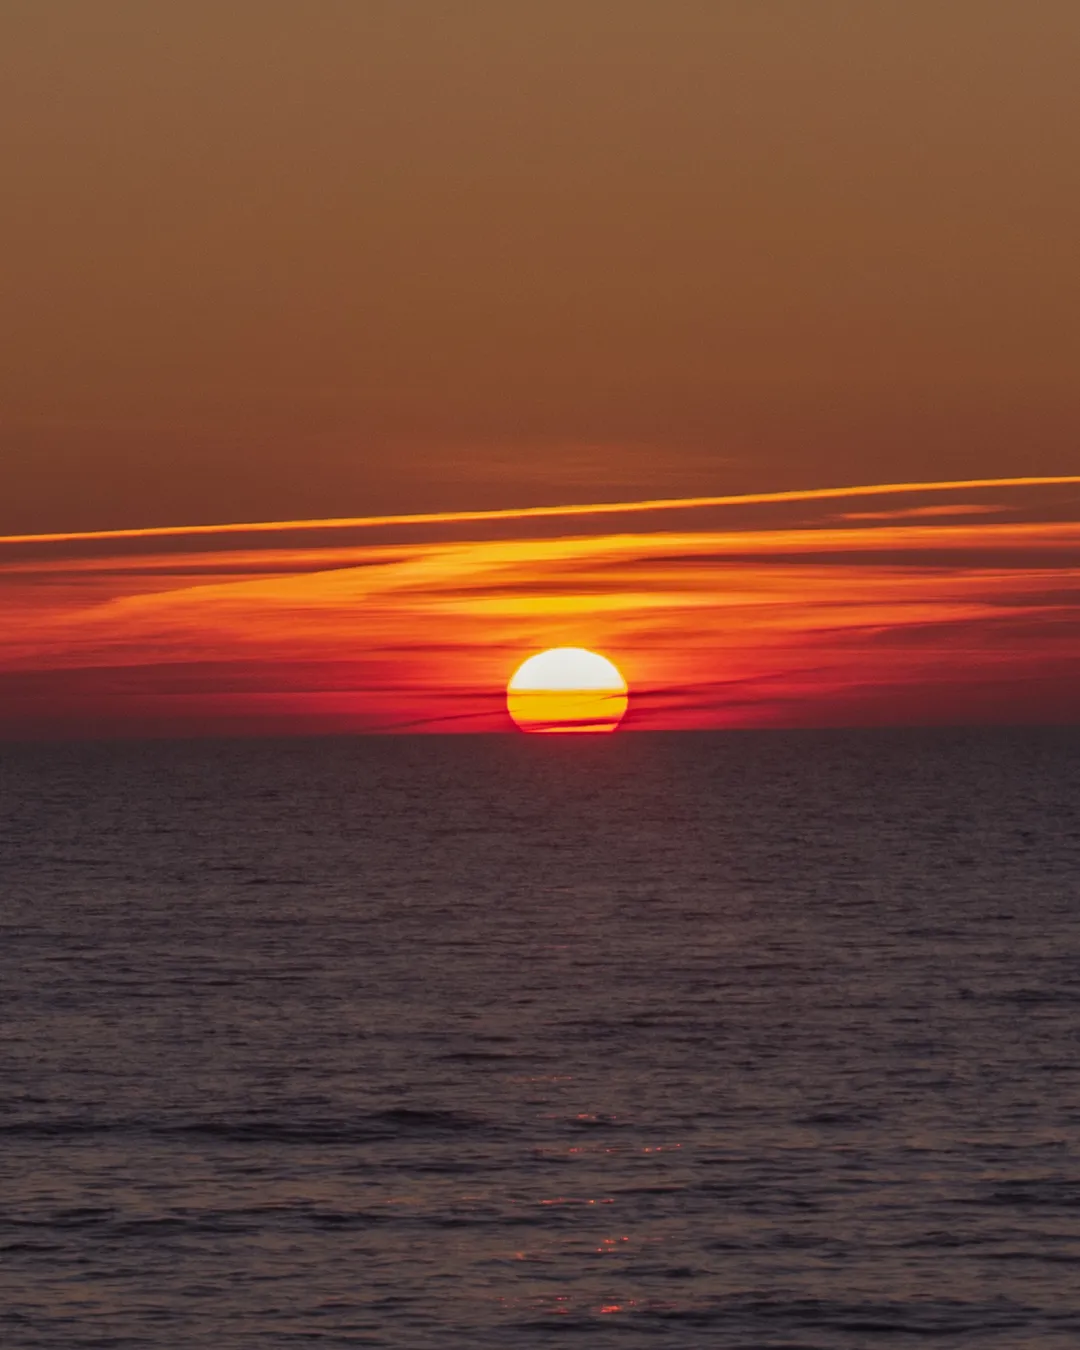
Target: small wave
(57, 1129)
(394, 1123)
(839, 1118)
(1044, 1193)
(397, 1122)
(920, 1320)
(478, 1057)
(1036, 997)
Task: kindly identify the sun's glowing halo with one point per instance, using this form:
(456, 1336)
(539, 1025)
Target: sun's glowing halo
(567, 689)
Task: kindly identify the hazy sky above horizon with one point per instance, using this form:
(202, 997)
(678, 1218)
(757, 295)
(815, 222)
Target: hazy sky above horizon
(281, 259)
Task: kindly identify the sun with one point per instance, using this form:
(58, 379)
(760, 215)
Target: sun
(567, 689)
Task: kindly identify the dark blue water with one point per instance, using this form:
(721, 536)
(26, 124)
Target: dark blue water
(757, 1040)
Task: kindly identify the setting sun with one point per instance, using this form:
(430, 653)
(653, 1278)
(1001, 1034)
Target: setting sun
(567, 689)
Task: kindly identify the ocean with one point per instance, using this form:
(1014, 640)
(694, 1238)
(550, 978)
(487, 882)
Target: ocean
(749, 1039)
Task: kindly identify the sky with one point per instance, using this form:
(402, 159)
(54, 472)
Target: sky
(284, 261)
(952, 606)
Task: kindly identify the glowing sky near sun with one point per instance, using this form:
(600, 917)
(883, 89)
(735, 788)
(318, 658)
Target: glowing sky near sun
(960, 605)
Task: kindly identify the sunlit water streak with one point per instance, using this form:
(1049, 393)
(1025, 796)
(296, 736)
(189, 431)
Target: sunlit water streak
(758, 1040)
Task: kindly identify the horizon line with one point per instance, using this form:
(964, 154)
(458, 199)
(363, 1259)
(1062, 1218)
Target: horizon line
(542, 512)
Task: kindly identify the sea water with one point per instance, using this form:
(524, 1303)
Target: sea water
(749, 1039)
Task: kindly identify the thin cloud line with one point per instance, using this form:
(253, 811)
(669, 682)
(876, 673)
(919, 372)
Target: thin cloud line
(541, 512)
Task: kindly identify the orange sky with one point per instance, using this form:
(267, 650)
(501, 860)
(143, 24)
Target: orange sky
(269, 258)
(955, 606)
(433, 269)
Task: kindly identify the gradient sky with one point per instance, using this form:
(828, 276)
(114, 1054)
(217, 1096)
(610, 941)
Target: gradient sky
(952, 606)
(277, 259)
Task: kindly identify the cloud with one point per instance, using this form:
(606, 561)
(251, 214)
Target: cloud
(546, 512)
(911, 512)
(914, 619)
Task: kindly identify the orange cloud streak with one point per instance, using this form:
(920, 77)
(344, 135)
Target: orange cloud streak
(545, 512)
(827, 623)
